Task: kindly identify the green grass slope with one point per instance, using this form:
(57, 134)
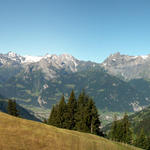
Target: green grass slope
(21, 134)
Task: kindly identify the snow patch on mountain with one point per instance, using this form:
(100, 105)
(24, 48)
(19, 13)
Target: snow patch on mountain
(145, 56)
(11, 54)
(31, 59)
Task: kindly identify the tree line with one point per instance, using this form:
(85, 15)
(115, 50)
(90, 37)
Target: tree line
(76, 114)
(121, 131)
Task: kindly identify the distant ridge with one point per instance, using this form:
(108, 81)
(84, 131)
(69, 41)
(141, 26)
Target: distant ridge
(128, 67)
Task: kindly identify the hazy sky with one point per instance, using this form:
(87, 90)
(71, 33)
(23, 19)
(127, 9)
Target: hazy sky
(86, 29)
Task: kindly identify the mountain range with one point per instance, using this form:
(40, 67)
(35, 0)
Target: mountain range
(38, 82)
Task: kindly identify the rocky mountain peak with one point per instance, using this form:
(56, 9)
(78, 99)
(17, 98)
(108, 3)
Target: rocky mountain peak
(118, 59)
(28, 59)
(129, 67)
(11, 54)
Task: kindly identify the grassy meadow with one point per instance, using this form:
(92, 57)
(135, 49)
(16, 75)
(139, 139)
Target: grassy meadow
(21, 134)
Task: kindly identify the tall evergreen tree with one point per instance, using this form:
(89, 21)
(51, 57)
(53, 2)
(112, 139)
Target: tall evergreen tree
(80, 115)
(113, 132)
(121, 130)
(57, 115)
(87, 118)
(141, 140)
(71, 111)
(148, 143)
(126, 131)
(12, 108)
(95, 122)
(61, 113)
(52, 120)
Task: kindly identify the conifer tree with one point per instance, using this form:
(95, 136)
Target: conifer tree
(141, 140)
(126, 131)
(12, 108)
(52, 120)
(57, 115)
(148, 143)
(71, 111)
(87, 118)
(113, 132)
(121, 131)
(95, 122)
(80, 115)
(61, 113)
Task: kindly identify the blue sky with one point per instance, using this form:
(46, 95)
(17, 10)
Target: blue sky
(86, 29)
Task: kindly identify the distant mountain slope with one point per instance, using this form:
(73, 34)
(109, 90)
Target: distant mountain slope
(128, 67)
(141, 120)
(142, 86)
(138, 121)
(22, 111)
(109, 92)
(19, 134)
(38, 82)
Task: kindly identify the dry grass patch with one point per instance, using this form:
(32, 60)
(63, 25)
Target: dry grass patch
(21, 134)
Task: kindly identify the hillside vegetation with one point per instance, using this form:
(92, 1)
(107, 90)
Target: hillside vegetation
(21, 134)
(141, 120)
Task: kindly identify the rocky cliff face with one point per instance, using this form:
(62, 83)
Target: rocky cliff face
(51, 65)
(128, 67)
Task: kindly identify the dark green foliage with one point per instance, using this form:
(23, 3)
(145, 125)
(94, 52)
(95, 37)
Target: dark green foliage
(126, 131)
(61, 112)
(10, 106)
(80, 114)
(113, 134)
(53, 116)
(12, 109)
(121, 131)
(71, 111)
(87, 118)
(140, 120)
(142, 141)
(93, 119)
(57, 116)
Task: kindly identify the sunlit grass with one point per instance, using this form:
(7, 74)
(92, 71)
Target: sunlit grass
(21, 134)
